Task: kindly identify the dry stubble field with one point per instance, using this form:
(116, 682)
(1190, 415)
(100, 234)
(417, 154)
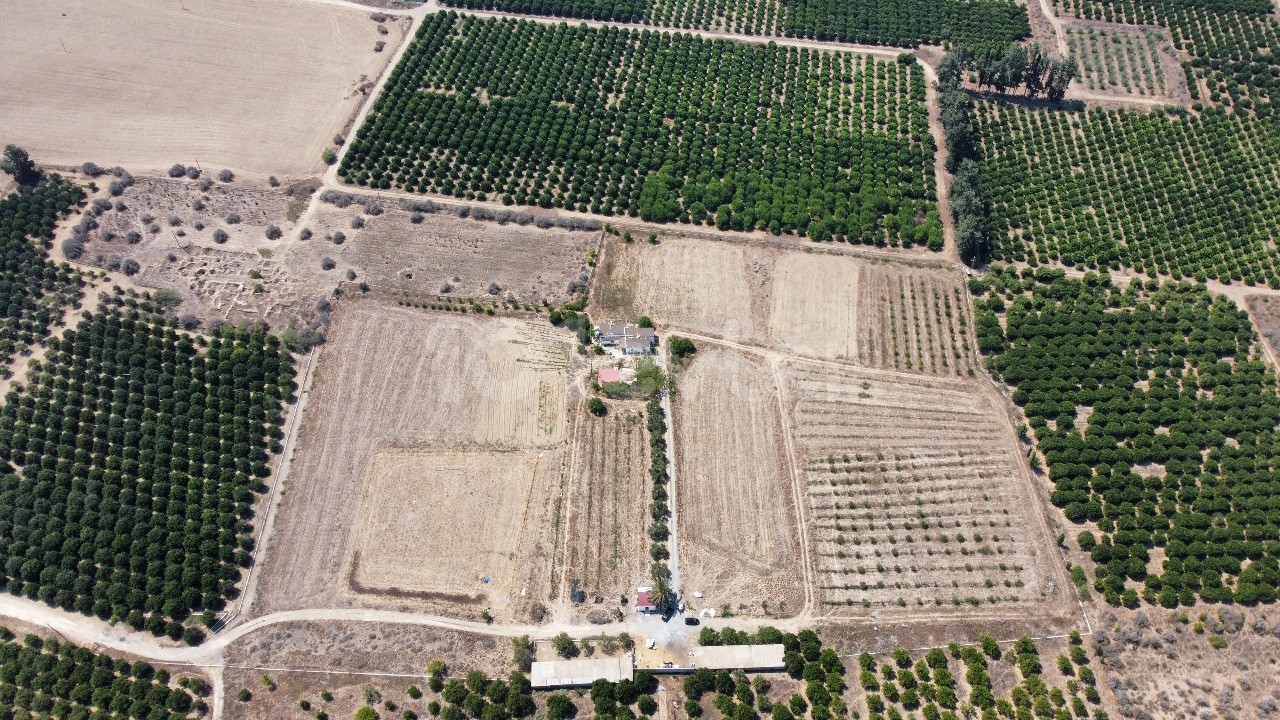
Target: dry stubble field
(738, 537)
(407, 411)
(810, 302)
(256, 85)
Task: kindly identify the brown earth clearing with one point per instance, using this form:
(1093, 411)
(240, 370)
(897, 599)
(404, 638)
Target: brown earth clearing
(1265, 311)
(607, 545)
(813, 302)
(445, 255)
(155, 222)
(1164, 664)
(917, 500)
(256, 85)
(738, 536)
(436, 399)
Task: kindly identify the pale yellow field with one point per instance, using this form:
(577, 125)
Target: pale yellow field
(255, 85)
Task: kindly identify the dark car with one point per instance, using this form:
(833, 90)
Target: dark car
(691, 621)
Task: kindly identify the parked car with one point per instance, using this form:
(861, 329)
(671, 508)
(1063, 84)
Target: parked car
(691, 621)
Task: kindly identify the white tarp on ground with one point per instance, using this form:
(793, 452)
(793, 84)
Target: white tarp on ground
(739, 657)
(580, 673)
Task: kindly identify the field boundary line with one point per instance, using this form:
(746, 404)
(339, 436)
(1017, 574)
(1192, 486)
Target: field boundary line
(797, 492)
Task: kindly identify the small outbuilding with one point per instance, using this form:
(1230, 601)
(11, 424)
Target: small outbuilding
(644, 600)
(609, 375)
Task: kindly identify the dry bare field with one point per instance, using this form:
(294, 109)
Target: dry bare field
(917, 500)
(395, 380)
(256, 85)
(393, 253)
(801, 300)
(738, 537)
(607, 544)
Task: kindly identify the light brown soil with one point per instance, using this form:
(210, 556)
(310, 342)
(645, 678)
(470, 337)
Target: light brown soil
(1164, 669)
(529, 264)
(608, 545)
(392, 378)
(250, 277)
(738, 537)
(805, 301)
(1265, 311)
(255, 85)
(915, 498)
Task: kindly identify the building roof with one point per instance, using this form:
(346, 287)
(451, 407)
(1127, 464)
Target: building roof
(611, 328)
(739, 657)
(644, 598)
(610, 375)
(580, 673)
(638, 343)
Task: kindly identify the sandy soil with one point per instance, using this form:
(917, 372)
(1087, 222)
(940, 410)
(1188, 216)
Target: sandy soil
(396, 378)
(528, 264)
(1265, 311)
(738, 533)
(255, 85)
(608, 545)
(915, 320)
(807, 301)
(915, 501)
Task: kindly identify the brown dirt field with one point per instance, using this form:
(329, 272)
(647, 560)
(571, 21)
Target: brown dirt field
(528, 263)
(916, 321)
(915, 499)
(247, 278)
(396, 378)
(413, 497)
(1167, 62)
(1265, 311)
(805, 301)
(349, 647)
(256, 85)
(738, 538)
(608, 544)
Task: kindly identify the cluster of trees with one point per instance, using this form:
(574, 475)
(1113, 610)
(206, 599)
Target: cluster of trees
(18, 164)
(964, 151)
(901, 687)
(46, 678)
(131, 463)
(1177, 196)
(663, 126)
(1230, 43)
(877, 22)
(659, 510)
(33, 291)
(1175, 383)
(805, 659)
(477, 697)
(1017, 66)
(909, 23)
(613, 10)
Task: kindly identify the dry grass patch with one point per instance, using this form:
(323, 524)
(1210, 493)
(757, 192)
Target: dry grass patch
(394, 380)
(443, 254)
(915, 320)
(257, 85)
(738, 540)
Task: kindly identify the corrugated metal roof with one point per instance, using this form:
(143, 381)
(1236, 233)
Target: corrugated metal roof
(580, 673)
(739, 657)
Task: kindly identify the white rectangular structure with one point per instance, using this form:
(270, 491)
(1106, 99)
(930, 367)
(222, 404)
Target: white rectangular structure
(580, 673)
(758, 658)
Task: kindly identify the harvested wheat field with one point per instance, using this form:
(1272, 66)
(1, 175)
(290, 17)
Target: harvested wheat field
(810, 302)
(607, 544)
(255, 85)
(917, 498)
(421, 430)
(429, 255)
(738, 537)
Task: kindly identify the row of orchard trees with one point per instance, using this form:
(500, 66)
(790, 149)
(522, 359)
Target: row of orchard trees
(1017, 66)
